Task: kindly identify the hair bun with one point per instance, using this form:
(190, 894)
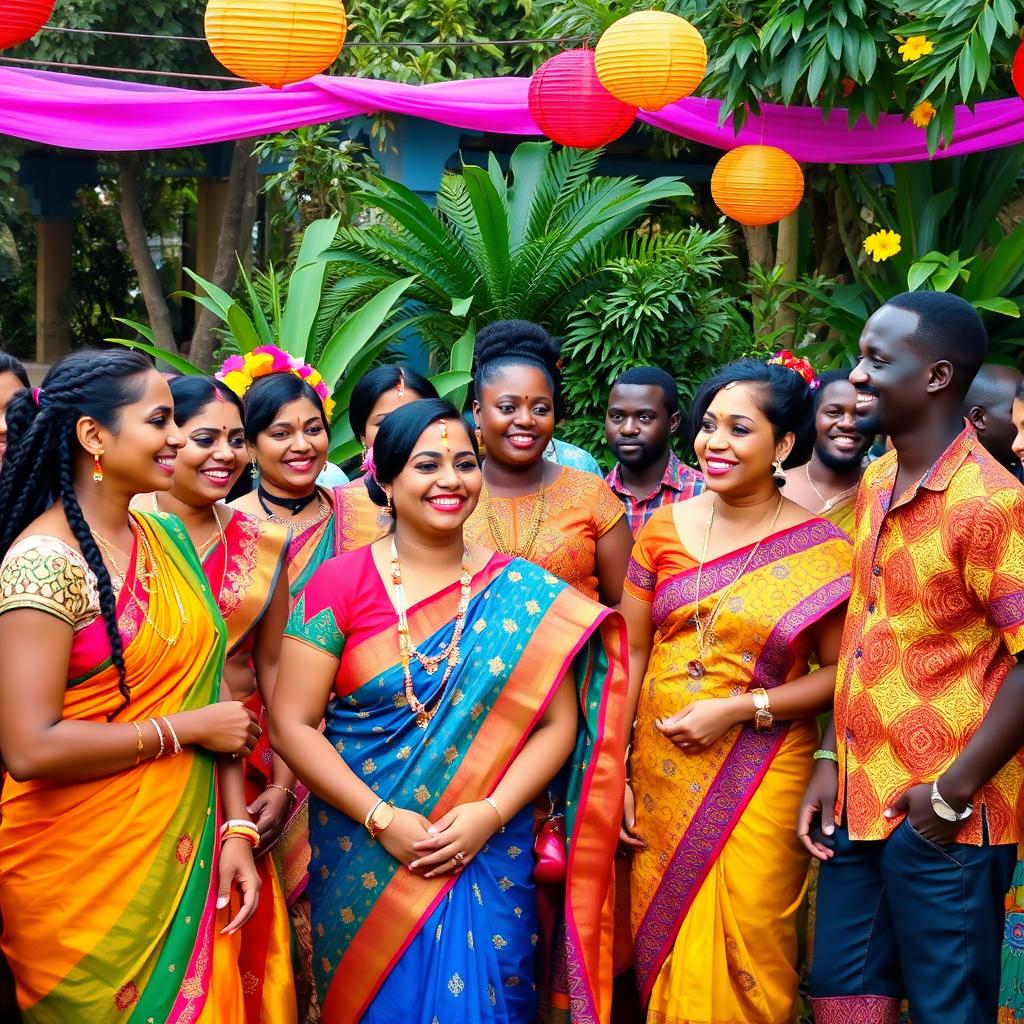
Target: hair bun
(511, 339)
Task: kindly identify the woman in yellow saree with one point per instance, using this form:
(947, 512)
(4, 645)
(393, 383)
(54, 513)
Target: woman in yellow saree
(422, 891)
(243, 560)
(727, 597)
(115, 872)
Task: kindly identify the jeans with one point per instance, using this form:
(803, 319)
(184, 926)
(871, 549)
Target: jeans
(903, 918)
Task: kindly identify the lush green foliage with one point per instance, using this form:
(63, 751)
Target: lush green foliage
(527, 245)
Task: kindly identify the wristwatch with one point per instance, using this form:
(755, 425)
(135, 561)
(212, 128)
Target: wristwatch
(943, 810)
(380, 816)
(762, 715)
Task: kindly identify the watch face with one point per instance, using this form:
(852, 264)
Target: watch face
(944, 811)
(763, 719)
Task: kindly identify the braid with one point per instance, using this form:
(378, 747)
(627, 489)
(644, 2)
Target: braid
(108, 603)
(42, 451)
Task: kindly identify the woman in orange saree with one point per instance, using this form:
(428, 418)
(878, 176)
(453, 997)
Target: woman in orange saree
(243, 560)
(424, 922)
(727, 598)
(115, 875)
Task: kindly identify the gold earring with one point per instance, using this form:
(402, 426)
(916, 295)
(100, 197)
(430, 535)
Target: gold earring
(97, 467)
(389, 508)
(254, 468)
(777, 472)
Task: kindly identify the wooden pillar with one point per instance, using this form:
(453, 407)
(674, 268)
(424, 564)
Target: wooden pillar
(53, 278)
(211, 199)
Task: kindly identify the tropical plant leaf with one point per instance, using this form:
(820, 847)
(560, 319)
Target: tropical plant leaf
(179, 363)
(220, 297)
(305, 287)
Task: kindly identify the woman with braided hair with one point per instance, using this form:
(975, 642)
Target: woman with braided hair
(116, 876)
(563, 519)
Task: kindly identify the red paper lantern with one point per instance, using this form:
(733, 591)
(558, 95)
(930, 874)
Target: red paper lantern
(572, 107)
(1018, 71)
(22, 19)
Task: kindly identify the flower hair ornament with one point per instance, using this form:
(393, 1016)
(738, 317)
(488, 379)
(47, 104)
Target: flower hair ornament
(797, 365)
(239, 372)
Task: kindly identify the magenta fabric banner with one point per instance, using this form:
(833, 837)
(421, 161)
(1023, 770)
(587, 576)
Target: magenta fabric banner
(98, 114)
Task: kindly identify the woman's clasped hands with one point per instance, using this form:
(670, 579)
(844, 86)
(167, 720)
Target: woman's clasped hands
(432, 849)
(703, 723)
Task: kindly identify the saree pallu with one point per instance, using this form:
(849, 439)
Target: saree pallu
(716, 891)
(108, 886)
(243, 573)
(390, 945)
(1011, 987)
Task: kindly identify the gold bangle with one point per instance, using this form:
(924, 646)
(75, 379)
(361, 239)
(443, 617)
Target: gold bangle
(174, 735)
(501, 820)
(160, 735)
(290, 792)
(369, 815)
(139, 747)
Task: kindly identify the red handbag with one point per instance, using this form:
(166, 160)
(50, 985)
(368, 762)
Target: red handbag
(549, 851)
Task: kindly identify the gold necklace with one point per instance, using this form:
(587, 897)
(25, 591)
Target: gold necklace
(695, 667)
(203, 549)
(505, 546)
(146, 574)
(450, 652)
(322, 512)
(826, 504)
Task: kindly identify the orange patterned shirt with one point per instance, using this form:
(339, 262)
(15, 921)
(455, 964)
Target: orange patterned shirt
(579, 509)
(935, 621)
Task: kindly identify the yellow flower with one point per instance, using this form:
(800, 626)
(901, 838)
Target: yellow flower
(259, 365)
(238, 382)
(882, 245)
(922, 114)
(916, 47)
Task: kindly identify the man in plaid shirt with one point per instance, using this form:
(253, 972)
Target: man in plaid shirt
(643, 415)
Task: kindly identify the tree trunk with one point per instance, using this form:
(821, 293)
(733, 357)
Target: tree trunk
(787, 248)
(134, 226)
(759, 247)
(233, 241)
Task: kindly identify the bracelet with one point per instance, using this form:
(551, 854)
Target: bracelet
(290, 792)
(501, 820)
(826, 755)
(160, 735)
(370, 814)
(138, 749)
(174, 735)
(237, 823)
(252, 838)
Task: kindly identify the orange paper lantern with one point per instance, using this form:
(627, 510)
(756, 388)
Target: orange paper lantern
(275, 42)
(572, 107)
(650, 59)
(757, 185)
(20, 20)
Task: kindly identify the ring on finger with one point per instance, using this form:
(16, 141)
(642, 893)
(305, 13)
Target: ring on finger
(459, 858)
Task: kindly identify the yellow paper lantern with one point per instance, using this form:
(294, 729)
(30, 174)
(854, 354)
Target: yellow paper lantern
(650, 59)
(757, 185)
(275, 42)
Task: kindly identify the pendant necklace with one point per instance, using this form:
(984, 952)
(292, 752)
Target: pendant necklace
(826, 503)
(696, 667)
(430, 663)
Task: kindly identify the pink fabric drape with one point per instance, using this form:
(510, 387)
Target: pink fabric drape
(79, 112)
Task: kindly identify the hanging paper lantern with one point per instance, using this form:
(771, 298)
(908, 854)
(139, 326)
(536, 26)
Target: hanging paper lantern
(20, 20)
(650, 59)
(275, 42)
(1018, 71)
(757, 185)
(572, 107)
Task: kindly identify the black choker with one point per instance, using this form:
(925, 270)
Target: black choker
(293, 505)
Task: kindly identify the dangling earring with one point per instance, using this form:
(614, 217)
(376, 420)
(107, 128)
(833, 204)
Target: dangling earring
(364, 463)
(254, 468)
(389, 508)
(97, 467)
(777, 474)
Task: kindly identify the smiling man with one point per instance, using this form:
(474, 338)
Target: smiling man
(642, 418)
(920, 781)
(827, 484)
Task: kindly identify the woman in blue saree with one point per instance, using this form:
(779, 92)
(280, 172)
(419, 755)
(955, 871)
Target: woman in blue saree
(458, 684)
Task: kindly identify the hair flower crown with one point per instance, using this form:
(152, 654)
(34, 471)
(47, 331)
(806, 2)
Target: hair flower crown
(798, 365)
(239, 372)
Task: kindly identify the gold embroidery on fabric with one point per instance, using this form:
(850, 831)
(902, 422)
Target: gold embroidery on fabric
(45, 574)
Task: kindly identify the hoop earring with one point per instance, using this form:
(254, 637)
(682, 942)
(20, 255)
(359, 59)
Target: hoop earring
(97, 467)
(254, 468)
(777, 473)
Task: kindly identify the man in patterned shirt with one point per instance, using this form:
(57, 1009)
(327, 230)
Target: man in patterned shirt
(642, 418)
(923, 764)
